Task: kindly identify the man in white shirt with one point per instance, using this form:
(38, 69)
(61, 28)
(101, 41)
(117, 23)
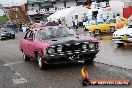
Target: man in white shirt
(118, 18)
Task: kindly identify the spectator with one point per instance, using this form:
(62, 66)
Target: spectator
(118, 18)
(20, 27)
(59, 21)
(105, 17)
(73, 23)
(100, 19)
(76, 24)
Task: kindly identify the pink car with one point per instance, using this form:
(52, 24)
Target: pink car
(55, 44)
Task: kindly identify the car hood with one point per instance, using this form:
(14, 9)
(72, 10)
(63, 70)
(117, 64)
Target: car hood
(124, 31)
(70, 40)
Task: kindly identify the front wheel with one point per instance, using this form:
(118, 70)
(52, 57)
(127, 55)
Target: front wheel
(97, 32)
(41, 63)
(13, 37)
(90, 58)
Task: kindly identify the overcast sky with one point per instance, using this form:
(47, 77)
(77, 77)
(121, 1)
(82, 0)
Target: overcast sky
(10, 1)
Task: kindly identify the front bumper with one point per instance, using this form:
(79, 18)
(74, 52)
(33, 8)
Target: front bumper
(8, 36)
(121, 40)
(66, 57)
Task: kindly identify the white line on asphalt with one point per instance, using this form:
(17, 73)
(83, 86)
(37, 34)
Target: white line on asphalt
(19, 79)
(8, 64)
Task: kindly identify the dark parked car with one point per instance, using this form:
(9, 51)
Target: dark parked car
(55, 44)
(6, 33)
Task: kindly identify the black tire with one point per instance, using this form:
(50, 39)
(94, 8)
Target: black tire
(25, 57)
(90, 58)
(97, 32)
(14, 37)
(41, 63)
(120, 44)
(1, 38)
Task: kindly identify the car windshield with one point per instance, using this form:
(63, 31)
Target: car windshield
(110, 21)
(54, 33)
(5, 29)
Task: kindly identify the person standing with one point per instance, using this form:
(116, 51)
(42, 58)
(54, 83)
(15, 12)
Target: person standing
(73, 23)
(100, 19)
(76, 24)
(118, 18)
(59, 21)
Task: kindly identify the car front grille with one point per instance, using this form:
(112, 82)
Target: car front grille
(77, 47)
(71, 47)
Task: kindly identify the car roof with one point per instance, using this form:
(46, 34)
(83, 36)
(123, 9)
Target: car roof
(46, 27)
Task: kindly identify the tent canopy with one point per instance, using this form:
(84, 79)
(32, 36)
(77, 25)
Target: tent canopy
(61, 13)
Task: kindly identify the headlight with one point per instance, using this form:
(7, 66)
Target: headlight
(2, 34)
(115, 35)
(59, 49)
(51, 51)
(84, 47)
(91, 45)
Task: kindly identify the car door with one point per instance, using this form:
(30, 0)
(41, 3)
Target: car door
(29, 43)
(24, 42)
(104, 27)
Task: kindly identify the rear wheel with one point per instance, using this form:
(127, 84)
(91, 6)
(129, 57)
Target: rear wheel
(120, 44)
(25, 57)
(97, 32)
(0, 37)
(41, 63)
(13, 37)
